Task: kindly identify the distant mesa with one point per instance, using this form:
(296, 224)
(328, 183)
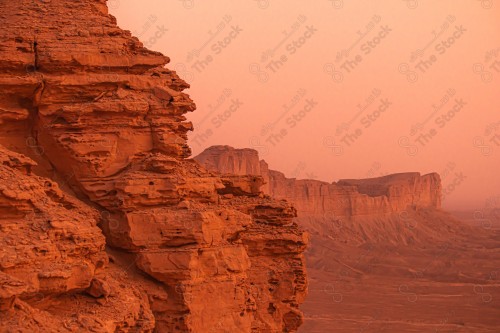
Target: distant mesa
(345, 198)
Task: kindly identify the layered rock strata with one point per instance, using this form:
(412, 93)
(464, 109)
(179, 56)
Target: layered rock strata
(344, 198)
(95, 154)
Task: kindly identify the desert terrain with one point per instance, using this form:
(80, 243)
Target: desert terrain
(109, 224)
(398, 264)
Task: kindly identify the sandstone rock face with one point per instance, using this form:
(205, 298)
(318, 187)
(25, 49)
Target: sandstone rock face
(388, 194)
(355, 211)
(384, 241)
(345, 198)
(50, 250)
(95, 154)
(227, 160)
(50, 241)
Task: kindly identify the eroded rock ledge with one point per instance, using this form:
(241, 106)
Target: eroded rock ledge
(104, 224)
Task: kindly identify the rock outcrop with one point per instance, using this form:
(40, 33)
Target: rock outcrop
(384, 241)
(95, 154)
(52, 251)
(345, 198)
(356, 211)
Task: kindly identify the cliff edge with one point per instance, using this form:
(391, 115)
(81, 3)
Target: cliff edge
(345, 198)
(105, 225)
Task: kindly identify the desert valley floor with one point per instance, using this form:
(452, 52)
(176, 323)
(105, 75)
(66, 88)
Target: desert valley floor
(449, 283)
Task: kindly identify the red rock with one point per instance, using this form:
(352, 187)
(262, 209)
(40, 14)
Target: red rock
(345, 198)
(52, 248)
(10, 288)
(99, 288)
(192, 251)
(379, 248)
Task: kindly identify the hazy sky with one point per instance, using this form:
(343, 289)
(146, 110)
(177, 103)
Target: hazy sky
(341, 89)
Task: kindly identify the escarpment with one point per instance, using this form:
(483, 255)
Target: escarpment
(105, 225)
(381, 241)
(347, 197)
(348, 210)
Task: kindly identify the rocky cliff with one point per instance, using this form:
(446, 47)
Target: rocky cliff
(357, 211)
(105, 226)
(384, 241)
(345, 198)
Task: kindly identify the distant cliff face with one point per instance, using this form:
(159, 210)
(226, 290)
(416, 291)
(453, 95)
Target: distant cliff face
(227, 160)
(345, 198)
(103, 122)
(389, 194)
(374, 242)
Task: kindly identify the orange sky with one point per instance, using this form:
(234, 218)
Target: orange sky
(341, 89)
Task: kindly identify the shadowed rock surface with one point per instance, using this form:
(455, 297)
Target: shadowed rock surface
(105, 226)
